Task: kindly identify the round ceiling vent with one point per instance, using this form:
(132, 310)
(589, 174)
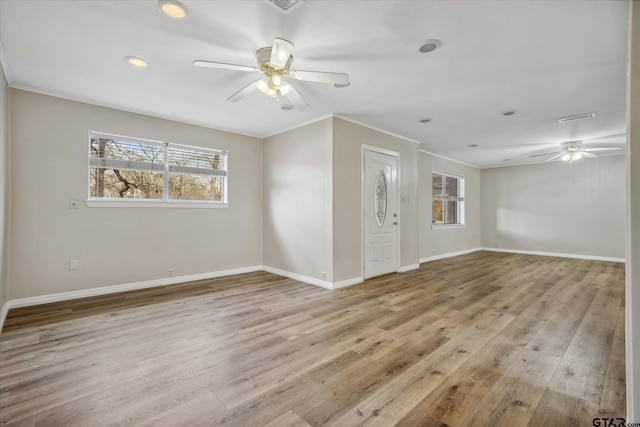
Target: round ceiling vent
(429, 46)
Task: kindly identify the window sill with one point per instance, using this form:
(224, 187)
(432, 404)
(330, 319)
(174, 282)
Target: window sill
(154, 204)
(446, 226)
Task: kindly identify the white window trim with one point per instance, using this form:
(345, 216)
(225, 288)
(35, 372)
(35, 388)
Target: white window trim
(461, 214)
(94, 202)
(138, 203)
(447, 226)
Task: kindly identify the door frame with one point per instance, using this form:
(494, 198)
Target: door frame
(363, 149)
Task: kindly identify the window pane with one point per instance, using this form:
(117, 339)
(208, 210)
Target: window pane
(125, 150)
(186, 160)
(436, 183)
(125, 184)
(451, 186)
(452, 212)
(437, 214)
(194, 187)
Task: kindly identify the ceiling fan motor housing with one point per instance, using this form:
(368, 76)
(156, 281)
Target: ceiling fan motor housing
(571, 146)
(263, 57)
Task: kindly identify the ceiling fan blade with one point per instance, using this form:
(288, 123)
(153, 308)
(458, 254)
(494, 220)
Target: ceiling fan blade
(251, 87)
(340, 79)
(545, 154)
(296, 99)
(280, 53)
(554, 157)
(223, 66)
(618, 138)
(589, 155)
(603, 148)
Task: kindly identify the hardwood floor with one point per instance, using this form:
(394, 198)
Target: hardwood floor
(485, 339)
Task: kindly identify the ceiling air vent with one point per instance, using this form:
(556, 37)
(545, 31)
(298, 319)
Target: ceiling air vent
(285, 6)
(578, 117)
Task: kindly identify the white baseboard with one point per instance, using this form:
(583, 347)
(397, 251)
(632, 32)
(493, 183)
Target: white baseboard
(348, 282)
(306, 279)
(106, 290)
(410, 267)
(556, 254)
(449, 255)
(3, 314)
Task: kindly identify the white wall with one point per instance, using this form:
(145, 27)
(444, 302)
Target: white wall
(117, 245)
(632, 296)
(4, 183)
(298, 201)
(348, 139)
(435, 242)
(556, 207)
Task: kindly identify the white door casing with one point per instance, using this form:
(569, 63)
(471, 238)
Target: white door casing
(380, 198)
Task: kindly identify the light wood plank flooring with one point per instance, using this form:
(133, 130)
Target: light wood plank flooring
(485, 339)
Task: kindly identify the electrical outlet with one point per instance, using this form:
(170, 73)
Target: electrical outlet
(73, 264)
(496, 244)
(171, 272)
(324, 275)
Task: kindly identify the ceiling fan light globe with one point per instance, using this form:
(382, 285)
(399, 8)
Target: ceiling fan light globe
(262, 86)
(566, 157)
(577, 156)
(272, 93)
(285, 89)
(277, 81)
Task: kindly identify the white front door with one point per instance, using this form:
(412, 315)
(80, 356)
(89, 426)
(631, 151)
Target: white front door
(380, 214)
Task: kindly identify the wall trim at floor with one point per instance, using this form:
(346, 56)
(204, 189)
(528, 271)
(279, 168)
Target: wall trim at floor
(409, 267)
(556, 254)
(300, 277)
(519, 251)
(449, 255)
(348, 282)
(106, 290)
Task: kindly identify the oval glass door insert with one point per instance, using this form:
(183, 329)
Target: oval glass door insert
(381, 198)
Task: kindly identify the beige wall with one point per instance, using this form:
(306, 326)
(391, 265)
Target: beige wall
(633, 219)
(298, 200)
(435, 242)
(348, 139)
(4, 186)
(117, 245)
(556, 207)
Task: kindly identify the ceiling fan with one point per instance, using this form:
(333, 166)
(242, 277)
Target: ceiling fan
(571, 151)
(275, 62)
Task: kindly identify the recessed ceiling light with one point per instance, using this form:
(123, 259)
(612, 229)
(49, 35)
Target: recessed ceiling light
(137, 62)
(473, 145)
(173, 9)
(509, 113)
(577, 117)
(286, 107)
(429, 46)
(341, 85)
(424, 120)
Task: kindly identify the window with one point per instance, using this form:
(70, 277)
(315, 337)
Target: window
(447, 199)
(123, 168)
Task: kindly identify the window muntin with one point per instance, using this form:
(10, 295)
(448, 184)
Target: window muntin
(123, 168)
(447, 199)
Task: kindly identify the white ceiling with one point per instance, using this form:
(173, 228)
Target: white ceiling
(544, 59)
